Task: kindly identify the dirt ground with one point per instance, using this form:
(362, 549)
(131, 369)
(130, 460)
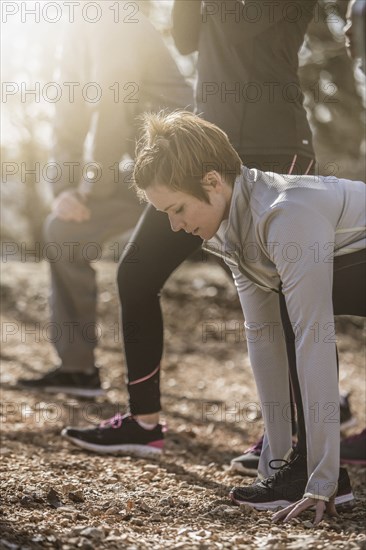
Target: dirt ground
(57, 496)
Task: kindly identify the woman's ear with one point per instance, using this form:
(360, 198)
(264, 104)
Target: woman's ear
(211, 180)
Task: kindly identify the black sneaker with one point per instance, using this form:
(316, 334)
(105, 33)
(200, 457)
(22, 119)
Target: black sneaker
(73, 383)
(121, 433)
(353, 449)
(346, 417)
(286, 486)
(247, 463)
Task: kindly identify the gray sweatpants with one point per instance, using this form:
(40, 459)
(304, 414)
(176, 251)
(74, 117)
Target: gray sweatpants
(73, 299)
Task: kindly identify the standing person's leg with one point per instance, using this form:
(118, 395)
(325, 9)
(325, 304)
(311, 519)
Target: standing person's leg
(154, 253)
(72, 250)
(349, 298)
(158, 252)
(349, 289)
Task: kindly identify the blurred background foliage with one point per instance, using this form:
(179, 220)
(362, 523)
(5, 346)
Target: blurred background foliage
(334, 98)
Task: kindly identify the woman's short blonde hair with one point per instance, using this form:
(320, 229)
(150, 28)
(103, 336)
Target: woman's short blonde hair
(178, 149)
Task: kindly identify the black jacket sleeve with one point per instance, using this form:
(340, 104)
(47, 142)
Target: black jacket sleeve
(186, 18)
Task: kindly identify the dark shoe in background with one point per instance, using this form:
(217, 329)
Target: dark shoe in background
(353, 449)
(247, 463)
(79, 384)
(346, 417)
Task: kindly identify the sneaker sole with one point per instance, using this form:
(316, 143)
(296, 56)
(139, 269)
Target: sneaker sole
(239, 468)
(262, 505)
(344, 499)
(341, 499)
(137, 450)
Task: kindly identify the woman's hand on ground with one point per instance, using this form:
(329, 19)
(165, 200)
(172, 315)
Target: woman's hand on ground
(300, 506)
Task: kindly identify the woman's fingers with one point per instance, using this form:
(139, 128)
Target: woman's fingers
(300, 506)
(283, 513)
(320, 508)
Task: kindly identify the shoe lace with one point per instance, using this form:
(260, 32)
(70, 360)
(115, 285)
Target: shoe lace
(114, 422)
(281, 472)
(256, 448)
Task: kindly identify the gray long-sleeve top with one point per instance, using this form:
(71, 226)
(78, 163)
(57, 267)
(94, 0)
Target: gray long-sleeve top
(282, 232)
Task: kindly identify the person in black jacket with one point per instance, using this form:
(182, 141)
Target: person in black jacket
(248, 80)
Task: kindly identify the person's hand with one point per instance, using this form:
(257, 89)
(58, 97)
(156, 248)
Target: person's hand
(70, 208)
(296, 508)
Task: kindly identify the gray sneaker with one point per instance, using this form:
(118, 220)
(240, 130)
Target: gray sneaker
(247, 463)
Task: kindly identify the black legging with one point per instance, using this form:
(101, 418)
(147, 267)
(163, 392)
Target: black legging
(156, 251)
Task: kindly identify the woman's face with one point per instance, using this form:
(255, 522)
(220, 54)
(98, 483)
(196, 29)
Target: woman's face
(190, 213)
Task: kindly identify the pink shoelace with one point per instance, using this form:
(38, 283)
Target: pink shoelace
(115, 421)
(256, 448)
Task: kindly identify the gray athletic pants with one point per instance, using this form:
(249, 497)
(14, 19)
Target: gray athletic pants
(73, 299)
